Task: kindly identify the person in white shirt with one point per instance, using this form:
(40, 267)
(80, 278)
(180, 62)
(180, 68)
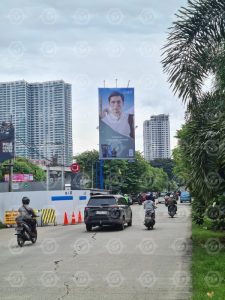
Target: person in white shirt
(115, 118)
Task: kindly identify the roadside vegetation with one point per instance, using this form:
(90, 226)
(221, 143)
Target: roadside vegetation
(194, 59)
(124, 176)
(2, 225)
(22, 165)
(208, 263)
(194, 53)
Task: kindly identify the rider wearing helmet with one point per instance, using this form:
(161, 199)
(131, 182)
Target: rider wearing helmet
(172, 202)
(150, 196)
(149, 205)
(27, 213)
(126, 198)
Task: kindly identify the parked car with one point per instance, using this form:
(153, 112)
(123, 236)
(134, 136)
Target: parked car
(185, 197)
(107, 210)
(161, 198)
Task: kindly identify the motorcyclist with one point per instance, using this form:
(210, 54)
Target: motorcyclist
(149, 206)
(150, 197)
(126, 198)
(172, 201)
(27, 214)
(141, 198)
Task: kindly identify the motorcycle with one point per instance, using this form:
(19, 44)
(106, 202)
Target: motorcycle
(172, 210)
(149, 219)
(24, 231)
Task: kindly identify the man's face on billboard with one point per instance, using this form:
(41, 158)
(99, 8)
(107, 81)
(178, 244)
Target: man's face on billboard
(116, 104)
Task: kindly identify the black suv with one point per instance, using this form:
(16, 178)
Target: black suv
(107, 210)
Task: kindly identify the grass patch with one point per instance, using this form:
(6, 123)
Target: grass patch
(208, 264)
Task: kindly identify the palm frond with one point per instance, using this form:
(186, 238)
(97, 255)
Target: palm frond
(192, 43)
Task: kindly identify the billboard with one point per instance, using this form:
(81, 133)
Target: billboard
(20, 177)
(7, 137)
(116, 123)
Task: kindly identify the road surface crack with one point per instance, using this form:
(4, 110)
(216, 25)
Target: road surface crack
(93, 236)
(75, 253)
(67, 287)
(56, 262)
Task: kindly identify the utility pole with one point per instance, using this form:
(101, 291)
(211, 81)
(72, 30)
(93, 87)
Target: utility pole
(10, 175)
(92, 174)
(101, 174)
(47, 177)
(11, 160)
(63, 184)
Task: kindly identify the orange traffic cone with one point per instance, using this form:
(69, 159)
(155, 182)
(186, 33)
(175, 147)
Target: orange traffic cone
(79, 217)
(65, 219)
(73, 219)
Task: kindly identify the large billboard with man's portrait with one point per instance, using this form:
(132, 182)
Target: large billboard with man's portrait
(116, 123)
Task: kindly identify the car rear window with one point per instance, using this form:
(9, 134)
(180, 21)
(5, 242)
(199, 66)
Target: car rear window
(163, 194)
(102, 201)
(185, 194)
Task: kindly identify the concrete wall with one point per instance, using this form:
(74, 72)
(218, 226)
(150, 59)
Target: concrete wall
(30, 186)
(43, 199)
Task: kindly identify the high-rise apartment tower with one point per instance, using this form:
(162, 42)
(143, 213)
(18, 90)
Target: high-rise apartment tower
(41, 113)
(156, 135)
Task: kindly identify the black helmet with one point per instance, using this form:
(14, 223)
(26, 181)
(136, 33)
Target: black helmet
(25, 200)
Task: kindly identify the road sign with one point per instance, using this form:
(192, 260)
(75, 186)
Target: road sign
(75, 168)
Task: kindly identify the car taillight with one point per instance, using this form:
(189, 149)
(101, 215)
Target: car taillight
(115, 213)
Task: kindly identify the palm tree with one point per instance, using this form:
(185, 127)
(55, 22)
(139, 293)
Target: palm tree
(195, 39)
(196, 48)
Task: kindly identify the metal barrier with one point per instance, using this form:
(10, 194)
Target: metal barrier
(10, 216)
(48, 216)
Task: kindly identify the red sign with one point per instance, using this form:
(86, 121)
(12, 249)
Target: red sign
(75, 168)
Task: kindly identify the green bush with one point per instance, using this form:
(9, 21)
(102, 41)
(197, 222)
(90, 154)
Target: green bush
(2, 225)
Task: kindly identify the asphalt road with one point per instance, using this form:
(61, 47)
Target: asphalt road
(69, 263)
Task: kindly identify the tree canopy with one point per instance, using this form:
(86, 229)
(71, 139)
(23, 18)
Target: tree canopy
(194, 40)
(22, 165)
(123, 176)
(193, 52)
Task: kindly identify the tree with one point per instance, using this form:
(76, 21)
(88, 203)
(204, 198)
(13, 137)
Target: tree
(87, 161)
(167, 164)
(123, 176)
(180, 169)
(195, 49)
(23, 165)
(195, 39)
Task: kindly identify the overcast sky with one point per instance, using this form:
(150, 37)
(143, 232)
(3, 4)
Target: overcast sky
(89, 41)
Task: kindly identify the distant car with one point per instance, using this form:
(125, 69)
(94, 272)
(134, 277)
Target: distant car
(161, 198)
(185, 197)
(135, 198)
(139, 198)
(155, 195)
(107, 210)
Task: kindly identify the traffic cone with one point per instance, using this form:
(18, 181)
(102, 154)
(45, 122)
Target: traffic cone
(79, 217)
(73, 219)
(65, 219)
